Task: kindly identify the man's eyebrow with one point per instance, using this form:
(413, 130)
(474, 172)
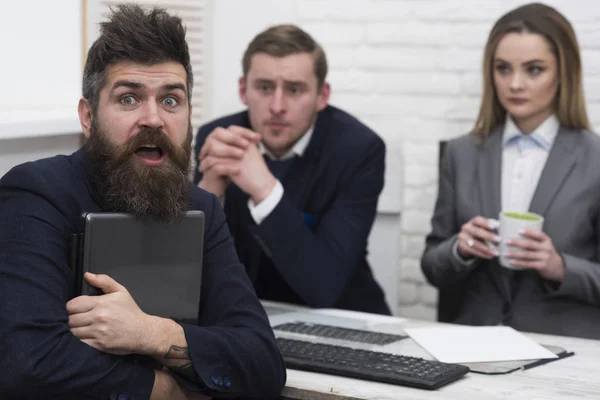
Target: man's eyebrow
(174, 86)
(127, 84)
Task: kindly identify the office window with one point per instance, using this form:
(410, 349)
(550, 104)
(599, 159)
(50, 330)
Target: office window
(195, 15)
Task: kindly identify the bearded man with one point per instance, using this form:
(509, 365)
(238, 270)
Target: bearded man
(135, 113)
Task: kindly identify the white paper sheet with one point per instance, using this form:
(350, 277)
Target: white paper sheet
(466, 344)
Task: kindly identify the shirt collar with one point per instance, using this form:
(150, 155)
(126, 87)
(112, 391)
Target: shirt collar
(543, 135)
(297, 150)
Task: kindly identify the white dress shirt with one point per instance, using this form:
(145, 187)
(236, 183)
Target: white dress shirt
(262, 210)
(523, 159)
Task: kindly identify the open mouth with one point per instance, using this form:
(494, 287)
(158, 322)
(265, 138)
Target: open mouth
(150, 154)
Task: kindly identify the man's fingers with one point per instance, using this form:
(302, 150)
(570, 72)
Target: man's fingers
(226, 169)
(80, 320)
(81, 304)
(209, 163)
(104, 283)
(232, 136)
(245, 133)
(82, 333)
(224, 150)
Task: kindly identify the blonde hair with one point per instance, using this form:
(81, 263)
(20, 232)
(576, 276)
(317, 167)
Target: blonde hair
(553, 26)
(284, 40)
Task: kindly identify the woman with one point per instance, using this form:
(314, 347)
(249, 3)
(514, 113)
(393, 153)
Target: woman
(530, 150)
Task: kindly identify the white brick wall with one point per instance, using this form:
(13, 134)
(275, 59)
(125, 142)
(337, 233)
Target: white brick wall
(411, 70)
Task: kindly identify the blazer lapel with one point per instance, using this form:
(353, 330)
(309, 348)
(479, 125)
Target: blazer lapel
(489, 174)
(560, 164)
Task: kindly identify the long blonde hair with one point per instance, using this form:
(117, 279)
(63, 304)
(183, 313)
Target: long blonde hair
(546, 21)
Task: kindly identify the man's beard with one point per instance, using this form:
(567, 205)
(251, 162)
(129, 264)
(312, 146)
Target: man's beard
(123, 183)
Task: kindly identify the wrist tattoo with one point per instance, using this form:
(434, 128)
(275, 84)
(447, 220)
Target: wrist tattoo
(178, 353)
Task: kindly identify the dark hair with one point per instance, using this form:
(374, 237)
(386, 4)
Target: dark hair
(284, 40)
(546, 21)
(132, 34)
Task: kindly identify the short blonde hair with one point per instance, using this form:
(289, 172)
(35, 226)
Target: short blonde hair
(284, 40)
(553, 26)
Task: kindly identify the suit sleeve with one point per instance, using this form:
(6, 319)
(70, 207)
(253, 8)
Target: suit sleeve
(438, 262)
(39, 356)
(318, 263)
(233, 350)
(582, 277)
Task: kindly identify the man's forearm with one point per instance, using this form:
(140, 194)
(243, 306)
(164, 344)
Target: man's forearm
(167, 344)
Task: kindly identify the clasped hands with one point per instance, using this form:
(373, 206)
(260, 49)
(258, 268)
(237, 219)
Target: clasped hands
(534, 250)
(231, 155)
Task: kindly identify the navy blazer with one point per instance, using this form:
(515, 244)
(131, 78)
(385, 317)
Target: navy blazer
(41, 204)
(312, 248)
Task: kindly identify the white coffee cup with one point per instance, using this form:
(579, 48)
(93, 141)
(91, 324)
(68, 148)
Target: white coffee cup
(509, 227)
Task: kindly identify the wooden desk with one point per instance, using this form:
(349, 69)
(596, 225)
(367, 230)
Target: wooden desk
(576, 377)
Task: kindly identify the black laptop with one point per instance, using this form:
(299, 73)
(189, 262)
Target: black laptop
(159, 263)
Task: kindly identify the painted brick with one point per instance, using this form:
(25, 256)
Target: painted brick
(421, 198)
(400, 58)
(418, 311)
(351, 80)
(417, 83)
(420, 175)
(411, 270)
(430, 33)
(408, 293)
(413, 245)
(336, 32)
(428, 295)
(416, 222)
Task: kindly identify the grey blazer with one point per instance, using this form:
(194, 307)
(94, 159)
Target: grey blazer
(567, 195)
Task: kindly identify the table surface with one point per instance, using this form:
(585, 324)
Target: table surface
(573, 377)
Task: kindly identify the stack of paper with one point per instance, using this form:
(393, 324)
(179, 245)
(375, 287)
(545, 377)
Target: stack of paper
(468, 344)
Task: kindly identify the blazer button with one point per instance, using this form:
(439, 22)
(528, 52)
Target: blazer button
(227, 382)
(215, 380)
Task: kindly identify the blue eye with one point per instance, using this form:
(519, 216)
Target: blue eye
(534, 70)
(170, 102)
(128, 100)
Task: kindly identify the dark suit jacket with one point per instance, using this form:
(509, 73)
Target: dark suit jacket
(311, 249)
(567, 195)
(41, 204)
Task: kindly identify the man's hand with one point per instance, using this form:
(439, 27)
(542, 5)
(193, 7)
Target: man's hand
(219, 156)
(113, 322)
(232, 154)
(253, 176)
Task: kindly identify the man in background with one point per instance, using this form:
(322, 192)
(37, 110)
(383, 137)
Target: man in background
(299, 179)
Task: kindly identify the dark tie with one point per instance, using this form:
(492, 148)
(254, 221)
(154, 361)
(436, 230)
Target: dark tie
(279, 168)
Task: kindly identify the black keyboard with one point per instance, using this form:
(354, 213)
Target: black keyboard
(336, 332)
(368, 365)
